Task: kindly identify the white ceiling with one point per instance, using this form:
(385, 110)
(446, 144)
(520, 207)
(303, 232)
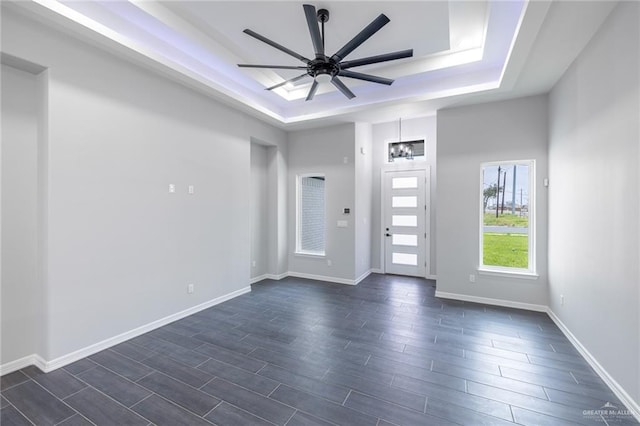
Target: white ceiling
(464, 51)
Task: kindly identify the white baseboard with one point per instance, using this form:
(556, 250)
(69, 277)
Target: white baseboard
(490, 301)
(362, 277)
(277, 277)
(16, 365)
(21, 363)
(322, 278)
(311, 277)
(618, 390)
(72, 357)
(258, 279)
(268, 277)
(431, 277)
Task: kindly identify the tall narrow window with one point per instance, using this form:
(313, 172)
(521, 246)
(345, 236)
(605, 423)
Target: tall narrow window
(311, 215)
(507, 196)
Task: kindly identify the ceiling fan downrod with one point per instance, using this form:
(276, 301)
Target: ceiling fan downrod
(323, 16)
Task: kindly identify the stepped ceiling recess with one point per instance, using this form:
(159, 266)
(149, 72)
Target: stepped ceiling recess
(462, 50)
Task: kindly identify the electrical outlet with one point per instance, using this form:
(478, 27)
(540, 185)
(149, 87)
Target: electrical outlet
(172, 188)
(191, 189)
(329, 262)
(562, 300)
(190, 288)
(472, 278)
(253, 263)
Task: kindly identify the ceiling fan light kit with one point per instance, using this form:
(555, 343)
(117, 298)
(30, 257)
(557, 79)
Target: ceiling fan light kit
(325, 69)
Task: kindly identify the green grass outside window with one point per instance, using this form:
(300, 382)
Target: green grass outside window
(509, 250)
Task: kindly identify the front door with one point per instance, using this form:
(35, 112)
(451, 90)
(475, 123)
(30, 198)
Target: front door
(405, 234)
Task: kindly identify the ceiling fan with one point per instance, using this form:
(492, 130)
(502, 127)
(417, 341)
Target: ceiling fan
(330, 68)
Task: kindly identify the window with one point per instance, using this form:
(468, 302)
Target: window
(507, 242)
(310, 215)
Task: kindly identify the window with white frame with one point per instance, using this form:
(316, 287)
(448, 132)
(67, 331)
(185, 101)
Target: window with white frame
(310, 196)
(507, 217)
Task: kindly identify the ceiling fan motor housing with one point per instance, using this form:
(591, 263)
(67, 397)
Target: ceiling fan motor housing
(323, 66)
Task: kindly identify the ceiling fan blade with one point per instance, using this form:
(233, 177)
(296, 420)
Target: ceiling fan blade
(366, 77)
(276, 45)
(312, 22)
(280, 67)
(341, 87)
(367, 32)
(312, 91)
(291, 80)
(378, 58)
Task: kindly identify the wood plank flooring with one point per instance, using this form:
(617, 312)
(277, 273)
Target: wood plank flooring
(301, 352)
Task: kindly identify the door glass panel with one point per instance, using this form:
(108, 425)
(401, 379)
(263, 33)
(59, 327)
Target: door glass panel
(411, 201)
(404, 220)
(405, 240)
(404, 182)
(405, 259)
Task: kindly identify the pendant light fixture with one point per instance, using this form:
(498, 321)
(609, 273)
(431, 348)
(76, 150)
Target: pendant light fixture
(400, 149)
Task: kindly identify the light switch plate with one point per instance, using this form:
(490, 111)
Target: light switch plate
(343, 224)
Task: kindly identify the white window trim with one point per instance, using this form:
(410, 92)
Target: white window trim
(309, 255)
(299, 251)
(508, 272)
(527, 273)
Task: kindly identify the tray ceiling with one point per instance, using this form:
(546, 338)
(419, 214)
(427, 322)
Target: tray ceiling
(460, 47)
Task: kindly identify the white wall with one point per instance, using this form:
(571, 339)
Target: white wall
(467, 137)
(259, 210)
(21, 289)
(594, 197)
(323, 151)
(383, 134)
(121, 249)
(363, 197)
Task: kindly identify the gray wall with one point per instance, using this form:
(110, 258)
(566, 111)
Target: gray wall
(364, 198)
(323, 151)
(467, 137)
(383, 134)
(121, 249)
(278, 251)
(259, 210)
(22, 292)
(594, 194)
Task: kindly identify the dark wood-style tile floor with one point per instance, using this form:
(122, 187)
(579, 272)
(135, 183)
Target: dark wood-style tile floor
(299, 352)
